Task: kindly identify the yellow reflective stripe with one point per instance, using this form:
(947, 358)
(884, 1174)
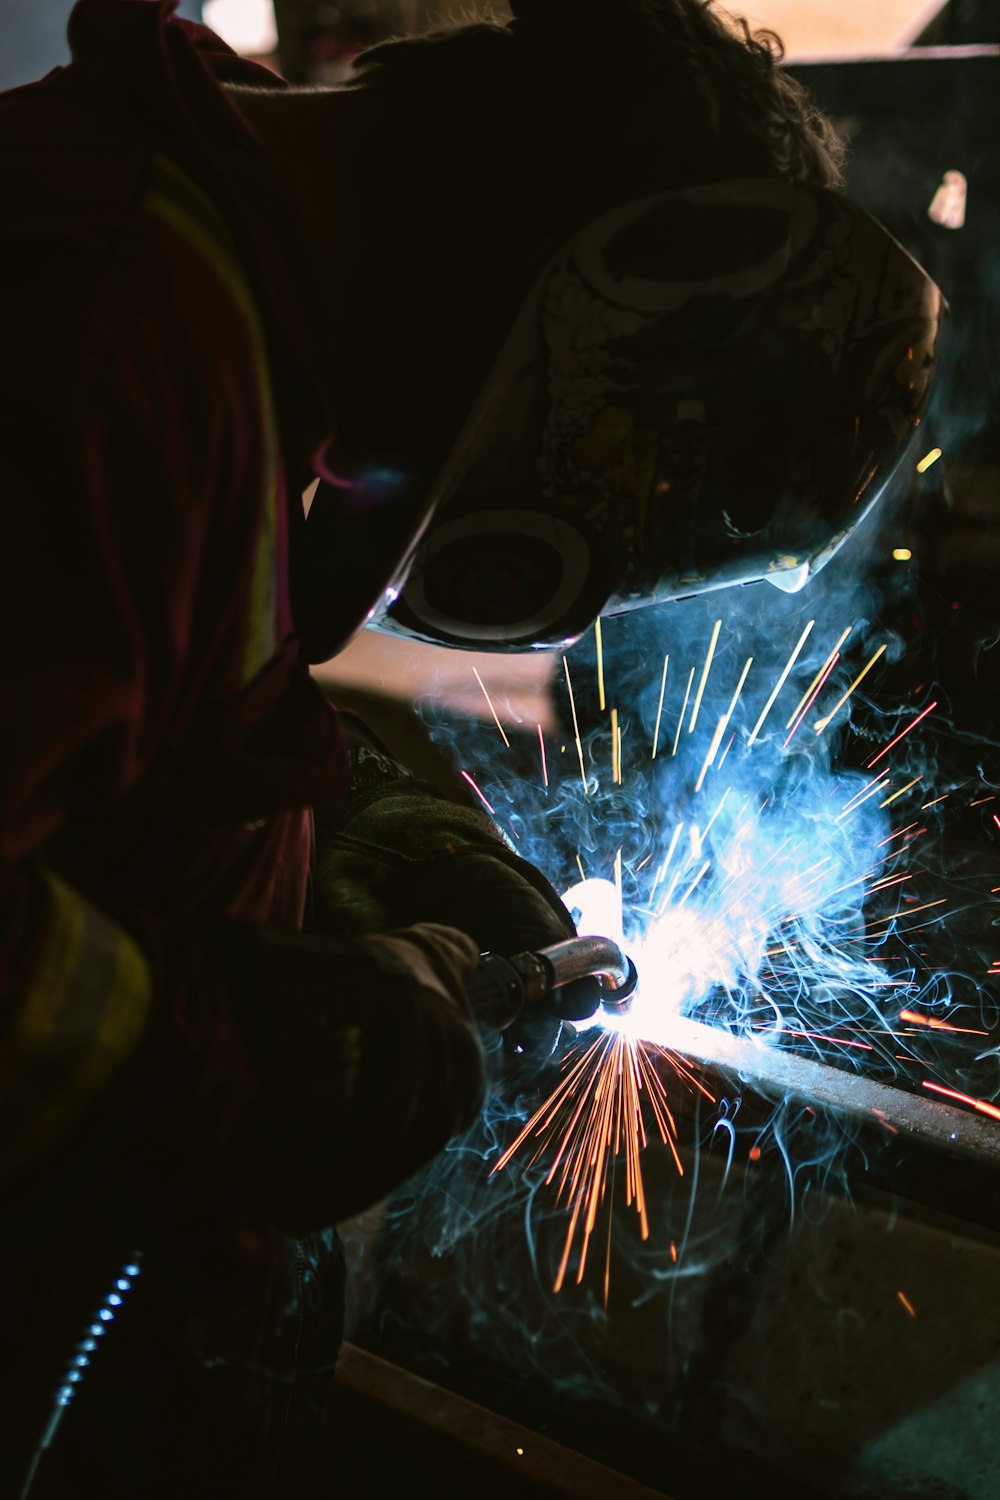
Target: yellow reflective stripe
(40, 1008)
(179, 203)
(80, 1019)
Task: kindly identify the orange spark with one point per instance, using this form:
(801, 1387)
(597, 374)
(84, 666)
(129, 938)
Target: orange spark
(981, 1105)
(933, 1024)
(493, 711)
(929, 709)
(488, 806)
(595, 1117)
(820, 677)
(822, 723)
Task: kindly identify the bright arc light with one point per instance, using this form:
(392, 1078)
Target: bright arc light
(947, 207)
(678, 958)
(247, 25)
(599, 904)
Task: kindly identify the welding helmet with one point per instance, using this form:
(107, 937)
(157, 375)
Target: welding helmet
(703, 387)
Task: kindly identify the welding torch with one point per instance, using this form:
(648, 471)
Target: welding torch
(502, 988)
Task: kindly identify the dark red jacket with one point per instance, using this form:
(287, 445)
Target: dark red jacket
(162, 742)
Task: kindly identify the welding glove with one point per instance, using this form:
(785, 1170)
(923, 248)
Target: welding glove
(398, 852)
(363, 1083)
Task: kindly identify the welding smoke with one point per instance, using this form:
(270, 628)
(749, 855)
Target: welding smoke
(761, 923)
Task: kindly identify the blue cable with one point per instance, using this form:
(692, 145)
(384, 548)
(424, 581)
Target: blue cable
(81, 1358)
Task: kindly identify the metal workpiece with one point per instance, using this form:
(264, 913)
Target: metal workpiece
(397, 1433)
(913, 1145)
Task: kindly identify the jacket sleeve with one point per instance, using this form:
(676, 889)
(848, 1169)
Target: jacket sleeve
(92, 646)
(367, 1077)
(136, 1039)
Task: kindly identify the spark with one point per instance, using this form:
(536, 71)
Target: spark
(488, 806)
(541, 746)
(912, 912)
(600, 661)
(696, 882)
(871, 790)
(711, 753)
(928, 459)
(680, 721)
(723, 725)
(811, 700)
(576, 727)
(898, 833)
(704, 675)
(820, 677)
(822, 723)
(902, 791)
(722, 802)
(825, 1036)
(915, 1019)
(783, 678)
(904, 1299)
(595, 1116)
(754, 919)
(892, 743)
(981, 1105)
(493, 711)
(669, 856)
(887, 881)
(659, 710)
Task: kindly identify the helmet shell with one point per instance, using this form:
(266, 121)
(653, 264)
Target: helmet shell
(703, 387)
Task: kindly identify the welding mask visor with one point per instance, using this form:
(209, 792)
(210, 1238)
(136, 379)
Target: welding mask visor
(703, 387)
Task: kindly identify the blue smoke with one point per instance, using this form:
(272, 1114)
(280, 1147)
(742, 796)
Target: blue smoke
(783, 913)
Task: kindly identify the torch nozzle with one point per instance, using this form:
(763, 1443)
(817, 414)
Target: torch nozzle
(503, 987)
(597, 957)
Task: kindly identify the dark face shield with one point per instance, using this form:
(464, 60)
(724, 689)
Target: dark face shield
(704, 387)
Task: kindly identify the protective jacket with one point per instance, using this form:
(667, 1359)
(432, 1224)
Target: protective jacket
(161, 404)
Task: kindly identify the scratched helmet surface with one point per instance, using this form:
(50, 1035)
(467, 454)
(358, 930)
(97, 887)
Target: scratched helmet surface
(704, 387)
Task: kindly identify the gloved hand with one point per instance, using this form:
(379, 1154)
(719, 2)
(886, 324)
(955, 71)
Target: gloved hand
(368, 1061)
(398, 852)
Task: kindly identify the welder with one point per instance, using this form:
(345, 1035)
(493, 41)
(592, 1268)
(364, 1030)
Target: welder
(561, 314)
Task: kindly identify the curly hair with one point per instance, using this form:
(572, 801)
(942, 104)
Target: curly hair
(596, 101)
